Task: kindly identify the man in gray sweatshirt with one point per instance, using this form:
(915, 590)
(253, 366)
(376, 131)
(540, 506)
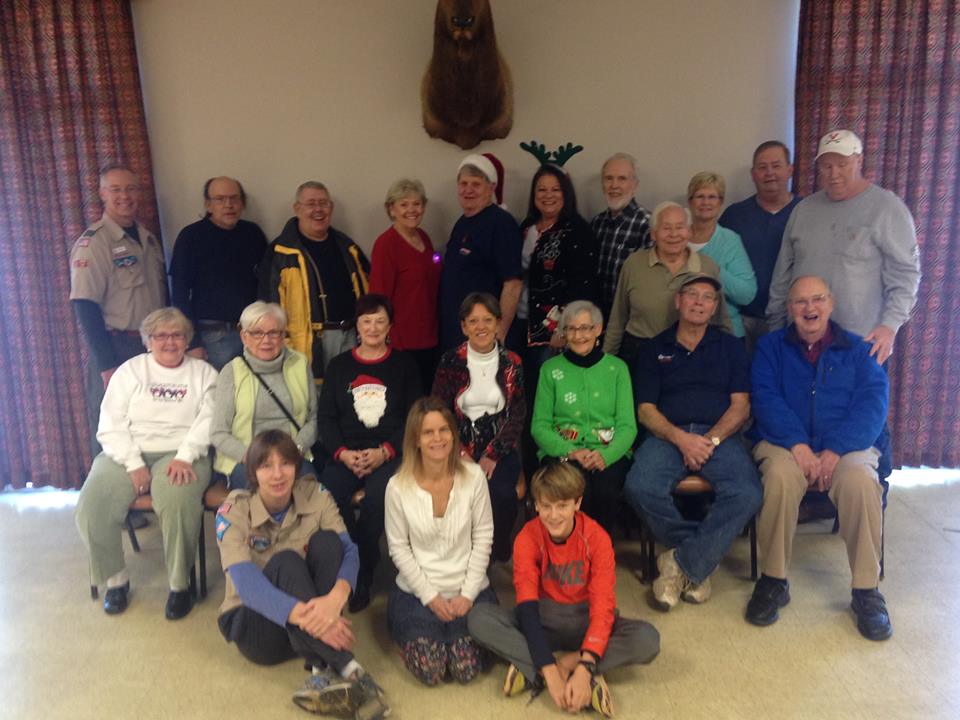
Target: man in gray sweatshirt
(857, 236)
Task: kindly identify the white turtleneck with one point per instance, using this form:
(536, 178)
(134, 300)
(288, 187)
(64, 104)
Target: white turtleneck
(483, 395)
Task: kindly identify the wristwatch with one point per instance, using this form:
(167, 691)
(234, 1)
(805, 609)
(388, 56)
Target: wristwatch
(715, 440)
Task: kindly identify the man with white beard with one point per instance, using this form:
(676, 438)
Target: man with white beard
(622, 228)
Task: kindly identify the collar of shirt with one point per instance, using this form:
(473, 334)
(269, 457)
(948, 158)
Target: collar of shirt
(628, 213)
(813, 352)
(117, 233)
(711, 336)
(259, 515)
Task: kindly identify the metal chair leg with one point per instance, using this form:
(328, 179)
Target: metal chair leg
(94, 593)
(752, 531)
(132, 534)
(202, 547)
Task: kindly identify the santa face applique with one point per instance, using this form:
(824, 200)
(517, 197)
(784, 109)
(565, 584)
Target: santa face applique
(369, 399)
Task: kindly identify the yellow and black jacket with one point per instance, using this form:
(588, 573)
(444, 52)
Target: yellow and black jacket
(288, 277)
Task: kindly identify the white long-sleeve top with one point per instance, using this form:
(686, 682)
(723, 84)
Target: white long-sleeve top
(447, 555)
(154, 409)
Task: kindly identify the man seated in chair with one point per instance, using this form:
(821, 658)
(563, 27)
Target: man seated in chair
(820, 405)
(693, 385)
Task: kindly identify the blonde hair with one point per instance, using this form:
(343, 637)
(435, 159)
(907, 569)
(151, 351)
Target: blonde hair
(557, 481)
(705, 179)
(402, 188)
(411, 466)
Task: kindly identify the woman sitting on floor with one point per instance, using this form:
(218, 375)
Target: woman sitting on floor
(289, 566)
(439, 530)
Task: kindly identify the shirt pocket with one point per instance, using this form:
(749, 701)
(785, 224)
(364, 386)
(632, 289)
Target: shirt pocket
(128, 270)
(860, 252)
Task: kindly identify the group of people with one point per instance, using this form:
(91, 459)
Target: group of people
(422, 392)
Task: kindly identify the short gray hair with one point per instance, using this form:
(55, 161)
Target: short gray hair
(165, 316)
(403, 188)
(311, 185)
(258, 310)
(578, 306)
(474, 171)
(666, 205)
(621, 156)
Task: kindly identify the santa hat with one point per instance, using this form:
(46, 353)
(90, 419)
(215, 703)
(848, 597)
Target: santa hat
(498, 167)
(365, 383)
(491, 167)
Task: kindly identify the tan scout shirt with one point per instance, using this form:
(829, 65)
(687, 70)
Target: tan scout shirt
(643, 304)
(127, 279)
(246, 532)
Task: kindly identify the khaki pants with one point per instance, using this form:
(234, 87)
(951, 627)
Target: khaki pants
(102, 507)
(856, 492)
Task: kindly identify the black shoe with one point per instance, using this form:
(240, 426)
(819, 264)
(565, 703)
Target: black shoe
(137, 520)
(179, 603)
(360, 597)
(116, 599)
(769, 595)
(873, 621)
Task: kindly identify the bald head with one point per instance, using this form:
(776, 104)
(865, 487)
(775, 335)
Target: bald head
(810, 306)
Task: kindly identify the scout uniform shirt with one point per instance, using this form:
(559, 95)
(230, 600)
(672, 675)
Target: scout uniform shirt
(246, 532)
(126, 278)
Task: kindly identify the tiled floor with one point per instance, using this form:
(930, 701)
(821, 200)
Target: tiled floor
(62, 657)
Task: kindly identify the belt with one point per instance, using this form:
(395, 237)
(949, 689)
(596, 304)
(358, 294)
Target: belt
(336, 324)
(124, 333)
(216, 325)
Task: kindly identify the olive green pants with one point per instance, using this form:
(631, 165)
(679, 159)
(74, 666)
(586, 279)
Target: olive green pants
(106, 497)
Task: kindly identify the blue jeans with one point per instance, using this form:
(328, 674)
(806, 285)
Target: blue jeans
(238, 478)
(658, 467)
(221, 346)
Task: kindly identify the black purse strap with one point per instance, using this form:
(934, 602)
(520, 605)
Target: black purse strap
(271, 393)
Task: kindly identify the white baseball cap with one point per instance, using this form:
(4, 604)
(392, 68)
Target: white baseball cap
(842, 142)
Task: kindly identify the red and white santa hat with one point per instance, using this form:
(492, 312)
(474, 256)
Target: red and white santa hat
(490, 165)
(365, 383)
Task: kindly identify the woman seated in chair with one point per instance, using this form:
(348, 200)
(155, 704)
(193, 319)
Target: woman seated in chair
(483, 384)
(584, 412)
(269, 386)
(439, 530)
(363, 405)
(155, 433)
(289, 566)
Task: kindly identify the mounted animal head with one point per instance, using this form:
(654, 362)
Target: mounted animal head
(463, 21)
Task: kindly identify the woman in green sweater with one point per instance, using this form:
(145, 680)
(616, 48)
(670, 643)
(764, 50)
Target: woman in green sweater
(584, 412)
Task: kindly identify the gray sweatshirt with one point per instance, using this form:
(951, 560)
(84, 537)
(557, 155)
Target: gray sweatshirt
(866, 250)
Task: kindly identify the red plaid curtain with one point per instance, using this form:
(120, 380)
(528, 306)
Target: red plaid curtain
(70, 103)
(890, 71)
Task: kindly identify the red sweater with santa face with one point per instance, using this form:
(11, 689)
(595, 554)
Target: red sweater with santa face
(364, 403)
(582, 569)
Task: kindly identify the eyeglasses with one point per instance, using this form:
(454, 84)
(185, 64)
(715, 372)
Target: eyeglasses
(259, 335)
(702, 296)
(163, 337)
(578, 329)
(312, 205)
(224, 199)
(813, 300)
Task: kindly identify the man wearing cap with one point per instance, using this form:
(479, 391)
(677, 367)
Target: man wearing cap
(117, 278)
(214, 270)
(819, 408)
(483, 254)
(692, 385)
(622, 228)
(860, 239)
(760, 221)
(316, 273)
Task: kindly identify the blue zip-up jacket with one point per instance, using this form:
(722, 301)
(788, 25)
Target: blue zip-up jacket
(839, 404)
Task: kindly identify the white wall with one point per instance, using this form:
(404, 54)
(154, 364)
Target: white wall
(279, 92)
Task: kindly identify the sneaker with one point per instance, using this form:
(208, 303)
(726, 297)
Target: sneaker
(371, 705)
(326, 693)
(769, 595)
(873, 621)
(697, 594)
(515, 683)
(671, 582)
(600, 699)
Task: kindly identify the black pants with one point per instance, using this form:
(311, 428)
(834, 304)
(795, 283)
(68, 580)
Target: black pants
(603, 494)
(503, 501)
(426, 360)
(264, 642)
(365, 527)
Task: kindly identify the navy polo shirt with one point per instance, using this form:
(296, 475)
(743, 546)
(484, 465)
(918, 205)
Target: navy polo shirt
(692, 386)
(483, 252)
(762, 234)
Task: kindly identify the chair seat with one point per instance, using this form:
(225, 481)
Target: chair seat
(215, 495)
(692, 485)
(143, 503)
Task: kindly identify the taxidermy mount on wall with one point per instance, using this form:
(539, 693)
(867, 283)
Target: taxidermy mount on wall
(467, 93)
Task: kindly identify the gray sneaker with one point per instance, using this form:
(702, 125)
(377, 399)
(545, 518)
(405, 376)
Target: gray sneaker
(668, 587)
(697, 594)
(371, 705)
(326, 693)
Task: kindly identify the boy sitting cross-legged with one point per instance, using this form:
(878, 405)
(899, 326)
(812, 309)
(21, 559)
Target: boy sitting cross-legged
(563, 572)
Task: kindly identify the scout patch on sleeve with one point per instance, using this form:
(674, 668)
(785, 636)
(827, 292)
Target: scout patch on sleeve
(89, 233)
(222, 524)
(84, 241)
(81, 263)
